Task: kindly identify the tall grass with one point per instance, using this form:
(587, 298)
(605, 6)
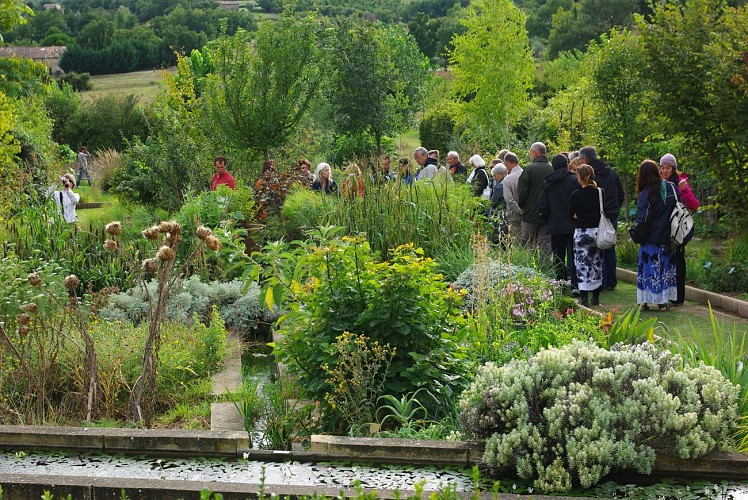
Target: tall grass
(436, 216)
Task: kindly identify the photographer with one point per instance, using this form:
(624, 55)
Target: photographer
(66, 200)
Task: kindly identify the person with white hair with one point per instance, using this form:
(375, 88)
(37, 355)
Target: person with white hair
(324, 182)
(480, 182)
(455, 166)
(426, 163)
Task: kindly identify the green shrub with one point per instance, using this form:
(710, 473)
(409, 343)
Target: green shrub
(303, 210)
(401, 302)
(572, 415)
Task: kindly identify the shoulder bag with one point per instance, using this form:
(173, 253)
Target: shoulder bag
(606, 233)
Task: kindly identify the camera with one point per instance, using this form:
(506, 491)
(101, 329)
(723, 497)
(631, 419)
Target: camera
(66, 184)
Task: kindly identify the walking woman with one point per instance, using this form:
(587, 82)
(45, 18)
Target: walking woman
(669, 172)
(655, 273)
(584, 207)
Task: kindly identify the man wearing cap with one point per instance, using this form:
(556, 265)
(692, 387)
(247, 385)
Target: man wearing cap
(529, 187)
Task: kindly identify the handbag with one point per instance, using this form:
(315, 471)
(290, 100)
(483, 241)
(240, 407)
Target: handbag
(606, 233)
(486, 194)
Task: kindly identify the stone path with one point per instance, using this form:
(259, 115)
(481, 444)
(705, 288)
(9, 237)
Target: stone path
(225, 416)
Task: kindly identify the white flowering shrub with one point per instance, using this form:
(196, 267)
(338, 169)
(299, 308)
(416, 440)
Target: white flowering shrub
(572, 415)
(239, 310)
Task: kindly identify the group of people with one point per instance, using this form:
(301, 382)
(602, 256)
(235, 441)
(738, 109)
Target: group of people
(553, 206)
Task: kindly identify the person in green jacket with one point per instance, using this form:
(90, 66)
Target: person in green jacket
(533, 232)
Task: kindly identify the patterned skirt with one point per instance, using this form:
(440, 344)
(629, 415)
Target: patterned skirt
(655, 275)
(588, 259)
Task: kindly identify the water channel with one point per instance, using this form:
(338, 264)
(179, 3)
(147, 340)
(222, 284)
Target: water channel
(323, 474)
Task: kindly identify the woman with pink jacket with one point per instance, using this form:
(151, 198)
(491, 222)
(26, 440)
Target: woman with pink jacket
(669, 172)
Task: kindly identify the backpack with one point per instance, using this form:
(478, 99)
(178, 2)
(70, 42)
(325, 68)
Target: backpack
(681, 224)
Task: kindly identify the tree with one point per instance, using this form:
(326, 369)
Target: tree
(624, 95)
(493, 69)
(260, 90)
(378, 79)
(695, 59)
(11, 14)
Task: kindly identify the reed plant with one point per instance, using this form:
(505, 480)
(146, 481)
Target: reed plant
(435, 216)
(37, 235)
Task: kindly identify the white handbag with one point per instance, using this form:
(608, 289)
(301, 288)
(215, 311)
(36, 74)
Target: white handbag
(606, 233)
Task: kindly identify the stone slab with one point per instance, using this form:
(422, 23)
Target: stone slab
(225, 417)
(398, 450)
(207, 443)
(165, 441)
(79, 438)
(230, 378)
(22, 487)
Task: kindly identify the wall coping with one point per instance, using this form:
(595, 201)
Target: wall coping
(715, 465)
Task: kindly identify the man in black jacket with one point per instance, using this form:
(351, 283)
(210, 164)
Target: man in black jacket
(529, 188)
(607, 179)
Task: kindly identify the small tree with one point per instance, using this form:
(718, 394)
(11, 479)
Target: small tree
(378, 80)
(261, 88)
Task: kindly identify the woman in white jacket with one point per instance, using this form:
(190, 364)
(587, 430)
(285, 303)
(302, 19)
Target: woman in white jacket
(65, 199)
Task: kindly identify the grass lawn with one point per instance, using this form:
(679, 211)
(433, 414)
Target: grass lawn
(145, 84)
(685, 320)
(407, 142)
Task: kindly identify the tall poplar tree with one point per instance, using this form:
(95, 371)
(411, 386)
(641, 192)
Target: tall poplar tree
(493, 69)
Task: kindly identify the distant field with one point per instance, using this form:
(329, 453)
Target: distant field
(145, 84)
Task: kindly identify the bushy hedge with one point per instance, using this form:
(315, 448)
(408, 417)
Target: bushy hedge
(572, 415)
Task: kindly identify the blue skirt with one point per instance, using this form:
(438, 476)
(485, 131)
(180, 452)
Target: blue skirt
(655, 275)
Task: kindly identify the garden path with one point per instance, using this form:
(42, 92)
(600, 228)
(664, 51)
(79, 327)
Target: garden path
(689, 320)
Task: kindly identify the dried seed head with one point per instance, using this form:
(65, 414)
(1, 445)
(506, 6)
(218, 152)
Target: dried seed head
(203, 232)
(23, 319)
(213, 243)
(151, 233)
(34, 279)
(170, 226)
(114, 228)
(23, 331)
(110, 245)
(71, 282)
(165, 253)
(31, 307)
(150, 266)
(173, 239)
